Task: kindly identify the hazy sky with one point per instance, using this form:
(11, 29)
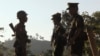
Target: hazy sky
(39, 14)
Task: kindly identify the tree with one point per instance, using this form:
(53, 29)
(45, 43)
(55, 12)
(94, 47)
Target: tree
(97, 25)
(97, 15)
(93, 23)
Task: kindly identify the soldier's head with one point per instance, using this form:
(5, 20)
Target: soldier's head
(73, 8)
(56, 18)
(22, 16)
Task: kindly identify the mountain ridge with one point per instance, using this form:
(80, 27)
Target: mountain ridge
(36, 46)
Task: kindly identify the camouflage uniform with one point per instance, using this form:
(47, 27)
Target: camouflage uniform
(60, 41)
(77, 34)
(58, 36)
(77, 47)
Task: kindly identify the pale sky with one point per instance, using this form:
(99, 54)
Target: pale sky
(39, 14)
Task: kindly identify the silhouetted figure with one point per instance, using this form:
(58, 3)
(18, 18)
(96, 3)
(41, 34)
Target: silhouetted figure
(77, 34)
(21, 34)
(58, 35)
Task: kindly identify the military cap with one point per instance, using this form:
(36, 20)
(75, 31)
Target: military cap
(56, 16)
(72, 5)
(21, 13)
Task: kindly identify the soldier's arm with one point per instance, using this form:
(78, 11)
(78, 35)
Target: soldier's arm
(80, 28)
(77, 33)
(53, 37)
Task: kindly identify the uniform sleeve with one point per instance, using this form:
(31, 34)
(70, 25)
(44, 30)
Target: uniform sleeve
(80, 22)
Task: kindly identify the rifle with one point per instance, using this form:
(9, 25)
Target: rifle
(12, 27)
(92, 43)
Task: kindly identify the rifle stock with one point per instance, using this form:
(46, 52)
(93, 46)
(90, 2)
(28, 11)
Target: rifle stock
(12, 27)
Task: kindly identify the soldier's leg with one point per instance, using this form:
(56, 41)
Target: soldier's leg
(56, 52)
(77, 49)
(18, 51)
(74, 55)
(59, 51)
(24, 51)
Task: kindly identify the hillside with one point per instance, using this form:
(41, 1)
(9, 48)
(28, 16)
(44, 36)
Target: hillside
(36, 46)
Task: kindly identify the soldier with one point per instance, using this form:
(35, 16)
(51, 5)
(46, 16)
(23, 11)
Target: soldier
(21, 34)
(76, 38)
(58, 35)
